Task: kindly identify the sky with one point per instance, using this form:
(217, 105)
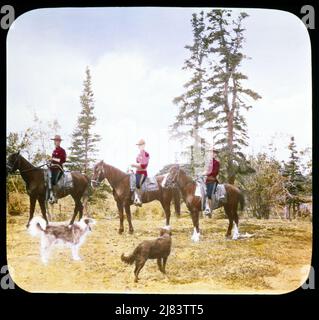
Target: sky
(136, 57)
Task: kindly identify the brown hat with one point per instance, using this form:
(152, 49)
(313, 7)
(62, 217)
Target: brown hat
(57, 137)
(140, 142)
(214, 150)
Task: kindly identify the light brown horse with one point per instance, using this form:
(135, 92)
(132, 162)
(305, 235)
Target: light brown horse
(120, 183)
(34, 178)
(177, 177)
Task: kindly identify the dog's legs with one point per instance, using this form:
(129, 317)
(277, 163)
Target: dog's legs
(159, 263)
(45, 250)
(139, 264)
(164, 264)
(75, 253)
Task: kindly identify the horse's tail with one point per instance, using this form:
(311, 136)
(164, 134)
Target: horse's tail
(241, 200)
(177, 201)
(129, 259)
(37, 226)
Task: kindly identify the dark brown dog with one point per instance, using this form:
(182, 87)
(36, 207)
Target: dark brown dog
(159, 249)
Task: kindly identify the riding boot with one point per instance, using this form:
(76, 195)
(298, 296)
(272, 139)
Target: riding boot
(208, 207)
(53, 198)
(137, 197)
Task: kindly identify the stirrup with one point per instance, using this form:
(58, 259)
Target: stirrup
(137, 202)
(52, 199)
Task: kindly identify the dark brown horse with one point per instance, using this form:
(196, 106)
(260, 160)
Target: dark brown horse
(187, 187)
(34, 178)
(120, 183)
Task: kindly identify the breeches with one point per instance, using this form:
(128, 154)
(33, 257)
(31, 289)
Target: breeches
(210, 189)
(140, 178)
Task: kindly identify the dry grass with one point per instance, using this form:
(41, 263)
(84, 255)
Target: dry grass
(276, 260)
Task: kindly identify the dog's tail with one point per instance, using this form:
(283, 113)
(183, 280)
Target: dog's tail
(128, 259)
(37, 226)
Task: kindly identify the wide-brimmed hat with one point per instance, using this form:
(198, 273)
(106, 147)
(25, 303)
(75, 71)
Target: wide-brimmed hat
(57, 137)
(214, 150)
(140, 142)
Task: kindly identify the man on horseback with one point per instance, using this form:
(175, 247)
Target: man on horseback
(56, 167)
(211, 179)
(141, 164)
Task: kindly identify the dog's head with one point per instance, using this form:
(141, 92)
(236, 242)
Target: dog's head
(85, 223)
(165, 230)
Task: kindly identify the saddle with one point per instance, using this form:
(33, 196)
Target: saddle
(150, 183)
(65, 182)
(218, 198)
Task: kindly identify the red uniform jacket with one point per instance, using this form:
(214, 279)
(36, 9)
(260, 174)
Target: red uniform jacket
(58, 153)
(213, 170)
(143, 158)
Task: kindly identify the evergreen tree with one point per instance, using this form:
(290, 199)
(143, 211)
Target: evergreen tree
(190, 116)
(84, 140)
(227, 95)
(295, 181)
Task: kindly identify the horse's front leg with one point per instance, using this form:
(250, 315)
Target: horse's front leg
(121, 215)
(129, 217)
(195, 219)
(32, 207)
(167, 210)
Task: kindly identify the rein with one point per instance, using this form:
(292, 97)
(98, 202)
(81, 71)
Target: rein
(25, 170)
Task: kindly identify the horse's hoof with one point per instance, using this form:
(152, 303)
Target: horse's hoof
(228, 236)
(131, 231)
(121, 231)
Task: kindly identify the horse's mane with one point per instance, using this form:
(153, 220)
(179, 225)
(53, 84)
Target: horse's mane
(28, 163)
(113, 168)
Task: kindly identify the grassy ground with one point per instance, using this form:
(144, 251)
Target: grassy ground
(275, 260)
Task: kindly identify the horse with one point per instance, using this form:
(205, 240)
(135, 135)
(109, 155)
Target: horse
(34, 178)
(187, 186)
(120, 183)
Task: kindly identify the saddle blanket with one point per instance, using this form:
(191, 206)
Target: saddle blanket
(218, 198)
(150, 183)
(65, 182)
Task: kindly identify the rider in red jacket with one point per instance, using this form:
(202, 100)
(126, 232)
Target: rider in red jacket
(57, 160)
(141, 164)
(211, 180)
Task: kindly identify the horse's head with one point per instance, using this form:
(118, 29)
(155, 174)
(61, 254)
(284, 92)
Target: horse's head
(13, 162)
(172, 176)
(98, 174)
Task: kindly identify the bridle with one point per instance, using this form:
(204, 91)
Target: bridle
(173, 179)
(99, 179)
(10, 167)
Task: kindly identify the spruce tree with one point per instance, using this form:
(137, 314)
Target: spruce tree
(84, 139)
(227, 95)
(295, 181)
(190, 115)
